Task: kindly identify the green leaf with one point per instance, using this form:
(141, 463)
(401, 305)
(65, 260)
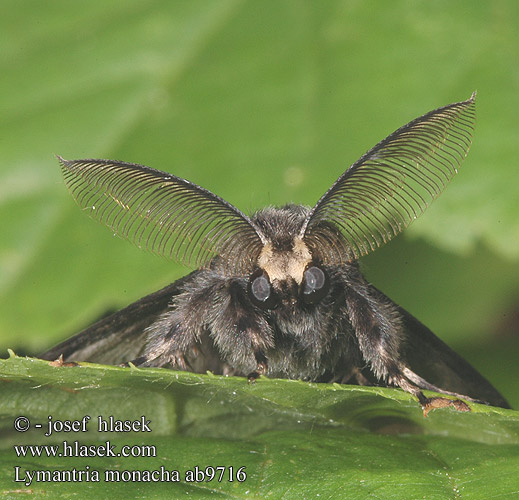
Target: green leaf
(294, 439)
(262, 103)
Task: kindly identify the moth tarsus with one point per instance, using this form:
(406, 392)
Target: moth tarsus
(280, 293)
(429, 404)
(59, 362)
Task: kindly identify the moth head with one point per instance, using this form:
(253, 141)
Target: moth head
(287, 272)
(286, 278)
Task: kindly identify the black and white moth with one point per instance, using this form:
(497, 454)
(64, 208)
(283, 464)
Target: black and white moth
(280, 292)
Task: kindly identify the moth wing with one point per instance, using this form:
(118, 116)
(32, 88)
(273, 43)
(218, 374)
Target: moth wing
(432, 364)
(120, 337)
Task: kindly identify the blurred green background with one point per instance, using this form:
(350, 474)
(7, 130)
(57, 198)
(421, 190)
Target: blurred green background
(262, 103)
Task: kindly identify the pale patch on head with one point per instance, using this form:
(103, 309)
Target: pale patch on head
(282, 265)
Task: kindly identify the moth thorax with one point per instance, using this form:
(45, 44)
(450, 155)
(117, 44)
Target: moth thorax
(282, 264)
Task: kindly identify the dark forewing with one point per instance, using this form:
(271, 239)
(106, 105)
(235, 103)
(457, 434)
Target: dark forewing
(394, 182)
(163, 213)
(433, 360)
(120, 337)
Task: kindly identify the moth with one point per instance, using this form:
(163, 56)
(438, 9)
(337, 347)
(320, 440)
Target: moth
(280, 293)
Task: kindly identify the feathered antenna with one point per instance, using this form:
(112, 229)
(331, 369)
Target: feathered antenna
(391, 185)
(162, 213)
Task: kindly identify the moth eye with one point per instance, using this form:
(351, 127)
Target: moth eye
(261, 292)
(315, 285)
(260, 288)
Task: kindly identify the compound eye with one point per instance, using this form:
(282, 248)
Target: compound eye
(315, 285)
(261, 291)
(260, 288)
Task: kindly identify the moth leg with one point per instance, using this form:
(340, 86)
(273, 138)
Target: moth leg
(378, 328)
(59, 362)
(241, 333)
(261, 368)
(176, 359)
(437, 401)
(429, 404)
(223, 335)
(359, 377)
(178, 337)
(353, 375)
(422, 383)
